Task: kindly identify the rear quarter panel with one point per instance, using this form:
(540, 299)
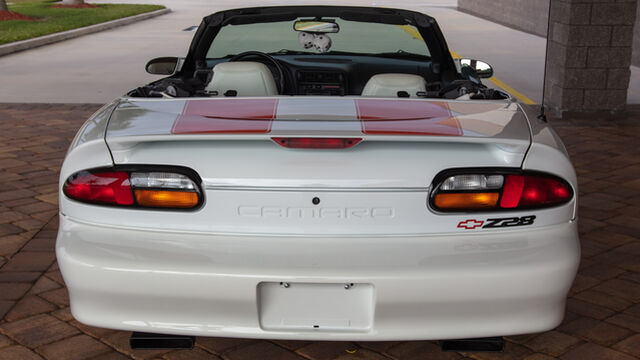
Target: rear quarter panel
(547, 153)
(88, 149)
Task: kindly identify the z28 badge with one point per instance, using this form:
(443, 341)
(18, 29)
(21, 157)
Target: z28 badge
(497, 222)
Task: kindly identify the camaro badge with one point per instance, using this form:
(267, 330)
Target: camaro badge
(471, 224)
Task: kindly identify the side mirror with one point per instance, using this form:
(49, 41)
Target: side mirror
(480, 68)
(163, 66)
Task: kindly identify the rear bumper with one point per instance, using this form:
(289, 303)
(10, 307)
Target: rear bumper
(431, 287)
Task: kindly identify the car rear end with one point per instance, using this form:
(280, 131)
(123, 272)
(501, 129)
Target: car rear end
(340, 222)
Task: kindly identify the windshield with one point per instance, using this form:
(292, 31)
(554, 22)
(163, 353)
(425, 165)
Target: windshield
(353, 37)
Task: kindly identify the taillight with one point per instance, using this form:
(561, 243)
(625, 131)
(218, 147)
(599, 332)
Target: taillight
(317, 143)
(108, 187)
(477, 192)
(534, 191)
(150, 189)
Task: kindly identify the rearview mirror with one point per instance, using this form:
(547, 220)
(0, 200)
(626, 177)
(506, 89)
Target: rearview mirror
(314, 26)
(480, 68)
(162, 66)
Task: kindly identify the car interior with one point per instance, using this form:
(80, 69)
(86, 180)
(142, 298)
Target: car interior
(326, 75)
(317, 57)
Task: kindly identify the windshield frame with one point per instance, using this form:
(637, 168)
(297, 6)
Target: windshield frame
(427, 27)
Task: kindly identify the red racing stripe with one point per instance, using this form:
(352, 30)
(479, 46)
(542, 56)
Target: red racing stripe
(226, 116)
(406, 117)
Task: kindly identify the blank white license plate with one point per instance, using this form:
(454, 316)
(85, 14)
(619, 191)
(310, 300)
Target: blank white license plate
(315, 307)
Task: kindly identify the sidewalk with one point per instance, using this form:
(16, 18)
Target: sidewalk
(603, 311)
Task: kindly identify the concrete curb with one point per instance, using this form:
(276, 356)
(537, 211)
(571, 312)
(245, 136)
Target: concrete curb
(66, 35)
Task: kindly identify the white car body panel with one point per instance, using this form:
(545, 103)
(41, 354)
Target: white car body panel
(204, 272)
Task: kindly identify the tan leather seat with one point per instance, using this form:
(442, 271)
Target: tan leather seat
(388, 85)
(247, 78)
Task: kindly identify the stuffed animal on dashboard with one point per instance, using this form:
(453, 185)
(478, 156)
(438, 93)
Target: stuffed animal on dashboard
(321, 42)
(306, 39)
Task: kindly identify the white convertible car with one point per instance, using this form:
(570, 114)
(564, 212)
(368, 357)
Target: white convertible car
(317, 173)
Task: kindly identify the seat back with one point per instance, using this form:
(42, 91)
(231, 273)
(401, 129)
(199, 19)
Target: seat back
(247, 78)
(388, 85)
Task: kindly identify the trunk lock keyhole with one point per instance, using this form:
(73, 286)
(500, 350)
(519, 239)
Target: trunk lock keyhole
(315, 200)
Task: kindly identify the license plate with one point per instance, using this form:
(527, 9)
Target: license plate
(315, 307)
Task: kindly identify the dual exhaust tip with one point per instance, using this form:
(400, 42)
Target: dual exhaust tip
(149, 341)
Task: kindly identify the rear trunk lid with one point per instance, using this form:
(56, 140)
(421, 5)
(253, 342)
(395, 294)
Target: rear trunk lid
(405, 142)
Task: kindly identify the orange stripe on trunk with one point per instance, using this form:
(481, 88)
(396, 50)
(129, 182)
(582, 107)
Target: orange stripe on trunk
(406, 117)
(226, 116)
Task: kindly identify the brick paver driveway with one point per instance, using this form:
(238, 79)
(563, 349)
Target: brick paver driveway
(603, 312)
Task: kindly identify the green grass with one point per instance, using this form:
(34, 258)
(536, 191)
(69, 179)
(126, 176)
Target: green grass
(19, 1)
(51, 20)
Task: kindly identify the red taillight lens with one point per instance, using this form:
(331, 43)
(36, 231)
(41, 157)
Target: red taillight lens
(528, 191)
(317, 143)
(472, 192)
(100, 187)
(513, 186)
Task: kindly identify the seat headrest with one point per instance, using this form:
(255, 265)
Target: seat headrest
(247, 78)
(388, 85)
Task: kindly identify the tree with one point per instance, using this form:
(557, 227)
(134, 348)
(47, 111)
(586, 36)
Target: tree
(3, 5)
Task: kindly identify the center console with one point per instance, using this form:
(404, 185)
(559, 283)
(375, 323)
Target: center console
(320, 82)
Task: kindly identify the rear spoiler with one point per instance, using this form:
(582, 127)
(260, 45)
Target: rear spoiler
(368, 118)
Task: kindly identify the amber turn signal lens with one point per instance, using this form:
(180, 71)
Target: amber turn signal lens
(168, 199)
(448, 201)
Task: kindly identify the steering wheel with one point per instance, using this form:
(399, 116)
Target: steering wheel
(270, 59)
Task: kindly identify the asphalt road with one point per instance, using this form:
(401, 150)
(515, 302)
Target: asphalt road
(99, 67)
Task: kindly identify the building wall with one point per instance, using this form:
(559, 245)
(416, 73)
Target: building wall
(525, 15)
(590, 46)
(529, 16)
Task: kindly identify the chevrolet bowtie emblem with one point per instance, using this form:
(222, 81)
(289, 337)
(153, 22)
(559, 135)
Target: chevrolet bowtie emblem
(470, 224)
